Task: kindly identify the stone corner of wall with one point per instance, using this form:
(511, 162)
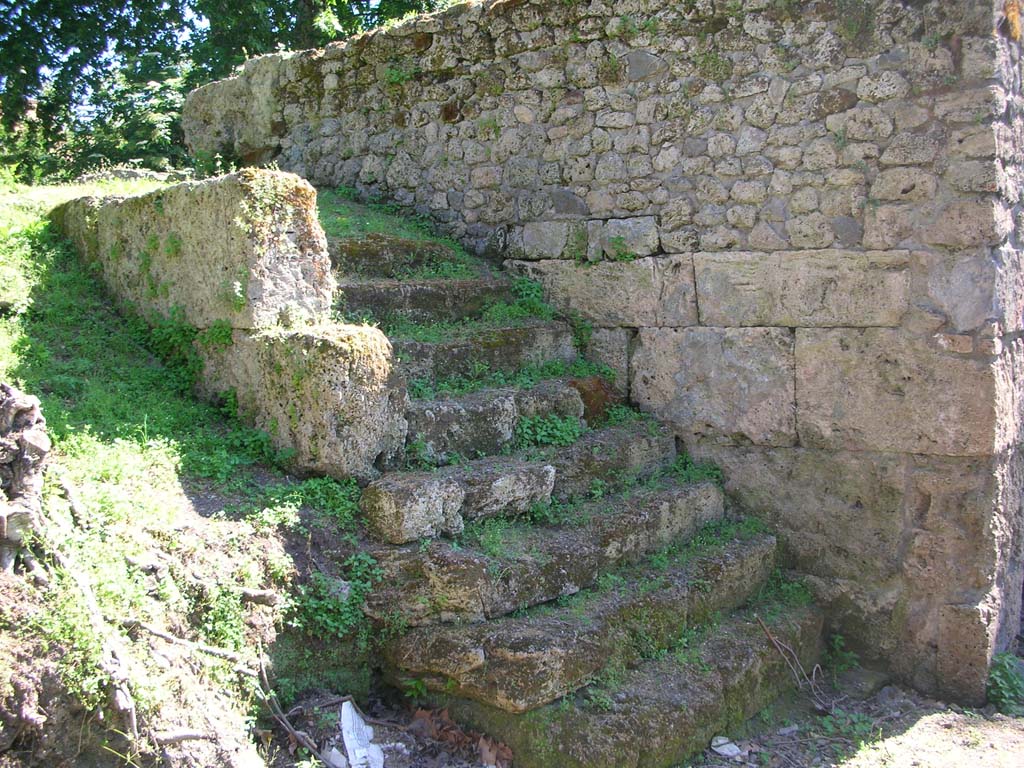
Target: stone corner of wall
(328, 394)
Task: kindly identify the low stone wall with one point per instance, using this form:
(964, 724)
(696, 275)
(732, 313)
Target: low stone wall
(246, 249)
(793, 226)
(243, 259)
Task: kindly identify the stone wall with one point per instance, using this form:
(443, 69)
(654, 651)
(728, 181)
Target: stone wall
(793, 225)
(242, 259)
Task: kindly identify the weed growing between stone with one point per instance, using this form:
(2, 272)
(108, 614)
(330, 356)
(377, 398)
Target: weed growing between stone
(549, 430)
(1006, 684)
(838, 658)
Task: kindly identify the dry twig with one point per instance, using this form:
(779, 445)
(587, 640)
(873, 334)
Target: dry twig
(267, 695)
(823, 702)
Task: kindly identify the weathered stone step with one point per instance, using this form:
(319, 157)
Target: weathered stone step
(422, 300)
(525, 565)
(404, 506)
(483, 423)
(488, 349)
(387, 256)
(520, 663)
(664, 711)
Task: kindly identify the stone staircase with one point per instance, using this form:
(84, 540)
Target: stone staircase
(579, 592)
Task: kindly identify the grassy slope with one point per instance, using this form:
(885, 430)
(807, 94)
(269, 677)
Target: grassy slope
(144, 456)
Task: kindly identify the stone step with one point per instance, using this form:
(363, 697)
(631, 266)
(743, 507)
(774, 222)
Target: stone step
(665, 710)
(423, 301)
(388, 256)
(488, 349)
(404, 506)
(523, 565)
(521, 663)
(483, 423)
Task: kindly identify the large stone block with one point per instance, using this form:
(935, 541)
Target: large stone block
(729, 385)
(877, 389)
(952, 568)
(330, 395)
(645, 292)
(246, 249)
(961, 285)
(239, 116)
(839, 520)
(839, 514)
(630, 237)
(610, 346)
(963, 224)
(544, 239)
(802, 288)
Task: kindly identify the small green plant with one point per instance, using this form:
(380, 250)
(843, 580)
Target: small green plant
(932, 41)
(235, 292)
(327, 608)
(222, 621)
(840, 138)
(217, 336)
(1006, 684)
(855, 20)
(418, 456)
(414, 689)
(488, 128)
(610, 69)
(626, 28)
(402, 72)
(618, 249)
(537, 431)
(686, 470)
(605, 684)
(713, 66)
(171, 338)
(554, 512)
(849, 730)
(582, 332)
(686, 649)
(839, 658)
(576, 245)
(781, 592)
(618, 414)
(491, 536)
(172, 246)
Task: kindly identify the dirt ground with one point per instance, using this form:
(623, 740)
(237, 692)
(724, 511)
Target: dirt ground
(890, 727)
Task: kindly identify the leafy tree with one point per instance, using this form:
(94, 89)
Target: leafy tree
(105, 79)
(60, 49)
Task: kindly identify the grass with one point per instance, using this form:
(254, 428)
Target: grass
(528, 306)
(343, 217)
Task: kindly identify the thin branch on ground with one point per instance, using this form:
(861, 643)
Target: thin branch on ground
(268, 697)
(300, 710)
(210, 650)
(823, 702)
